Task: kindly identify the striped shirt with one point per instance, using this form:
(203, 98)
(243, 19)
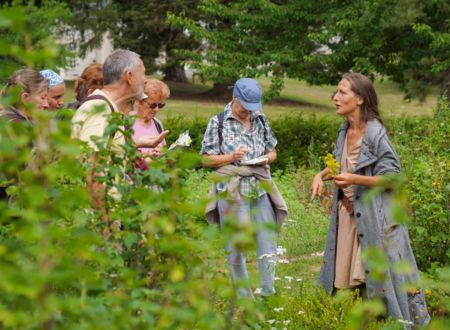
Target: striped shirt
(258, 140)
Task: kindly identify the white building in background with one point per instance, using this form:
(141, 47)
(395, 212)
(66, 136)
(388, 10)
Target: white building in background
(77, 65)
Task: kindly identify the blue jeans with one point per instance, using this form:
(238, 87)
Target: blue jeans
(260, 213)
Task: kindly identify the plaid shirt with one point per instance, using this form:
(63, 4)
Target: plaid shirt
(258, 141)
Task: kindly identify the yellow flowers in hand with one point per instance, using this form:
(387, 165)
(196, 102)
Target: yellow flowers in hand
(332, 164)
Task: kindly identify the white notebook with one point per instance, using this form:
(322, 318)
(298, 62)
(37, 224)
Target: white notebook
(255, 161)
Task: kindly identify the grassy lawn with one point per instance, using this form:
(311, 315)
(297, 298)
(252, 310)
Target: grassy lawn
(296, 97)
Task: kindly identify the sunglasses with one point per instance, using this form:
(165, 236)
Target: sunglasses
(154, 105)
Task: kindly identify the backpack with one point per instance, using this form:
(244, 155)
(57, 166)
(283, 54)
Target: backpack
(221, 118)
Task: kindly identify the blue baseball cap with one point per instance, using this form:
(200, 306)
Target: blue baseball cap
(249, 93)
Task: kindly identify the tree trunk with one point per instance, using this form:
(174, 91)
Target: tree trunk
(175, 73)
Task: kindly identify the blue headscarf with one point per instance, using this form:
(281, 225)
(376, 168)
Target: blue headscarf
(52, 77)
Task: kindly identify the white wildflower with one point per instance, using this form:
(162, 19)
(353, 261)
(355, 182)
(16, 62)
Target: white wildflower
(271, 321)
(317, 254)
(287, 287)
(266, 255)
(300, 312)
(258, 291)
(281, 250)
(405, 322)
(288, 278)
(277, 278)
(278, 309)
(283, 261)
(286, 322)
(298, 279)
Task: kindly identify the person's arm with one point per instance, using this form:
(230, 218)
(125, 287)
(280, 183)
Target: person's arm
(317, 184)
(150, 141)
(387, 162)
(272, 156)
(344, 180)
(215, 161)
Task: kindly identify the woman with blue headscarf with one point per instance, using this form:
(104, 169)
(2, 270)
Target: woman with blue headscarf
(56, 89)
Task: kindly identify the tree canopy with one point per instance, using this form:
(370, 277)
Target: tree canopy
(317, 41)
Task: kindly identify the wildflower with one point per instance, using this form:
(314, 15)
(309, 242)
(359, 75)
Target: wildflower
(298, 279)
(266, 255)
(300, 312)
(278, 309)
(283, 261)
(317, 254)
(287, 287)
(286, 322)
(271, 321)
(258, 291)
(277, 278)
(405, 322)
(332, 164)
(281, 250)
(288, 278)
(427, 292)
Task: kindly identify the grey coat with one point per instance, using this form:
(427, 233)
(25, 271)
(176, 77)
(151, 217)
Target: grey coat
(376, 227)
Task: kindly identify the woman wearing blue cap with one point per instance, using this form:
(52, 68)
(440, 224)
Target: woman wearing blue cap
(56, 89)
(239, 144)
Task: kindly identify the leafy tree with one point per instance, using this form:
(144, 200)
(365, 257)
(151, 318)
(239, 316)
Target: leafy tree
(406, 40)
(139, 26)
(318, 41)
(252, 38)
(31, 26)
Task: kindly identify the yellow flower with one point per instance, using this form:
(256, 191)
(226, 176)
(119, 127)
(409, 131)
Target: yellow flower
(332, 164)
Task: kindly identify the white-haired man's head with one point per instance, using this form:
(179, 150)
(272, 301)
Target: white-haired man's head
(125, 67)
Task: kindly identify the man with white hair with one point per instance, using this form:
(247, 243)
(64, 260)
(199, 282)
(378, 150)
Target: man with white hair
(124, 81)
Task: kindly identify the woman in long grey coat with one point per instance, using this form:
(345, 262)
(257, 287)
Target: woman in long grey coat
(366, 154)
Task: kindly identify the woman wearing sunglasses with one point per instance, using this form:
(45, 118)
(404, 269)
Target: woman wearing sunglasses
(147, 109)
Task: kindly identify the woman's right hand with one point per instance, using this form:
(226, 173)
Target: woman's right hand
(239, 154)
(317, 186)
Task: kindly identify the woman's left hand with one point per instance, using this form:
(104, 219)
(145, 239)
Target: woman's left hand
(344, 180)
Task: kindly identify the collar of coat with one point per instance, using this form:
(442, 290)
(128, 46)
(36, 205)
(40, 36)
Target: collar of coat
(369, 146)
